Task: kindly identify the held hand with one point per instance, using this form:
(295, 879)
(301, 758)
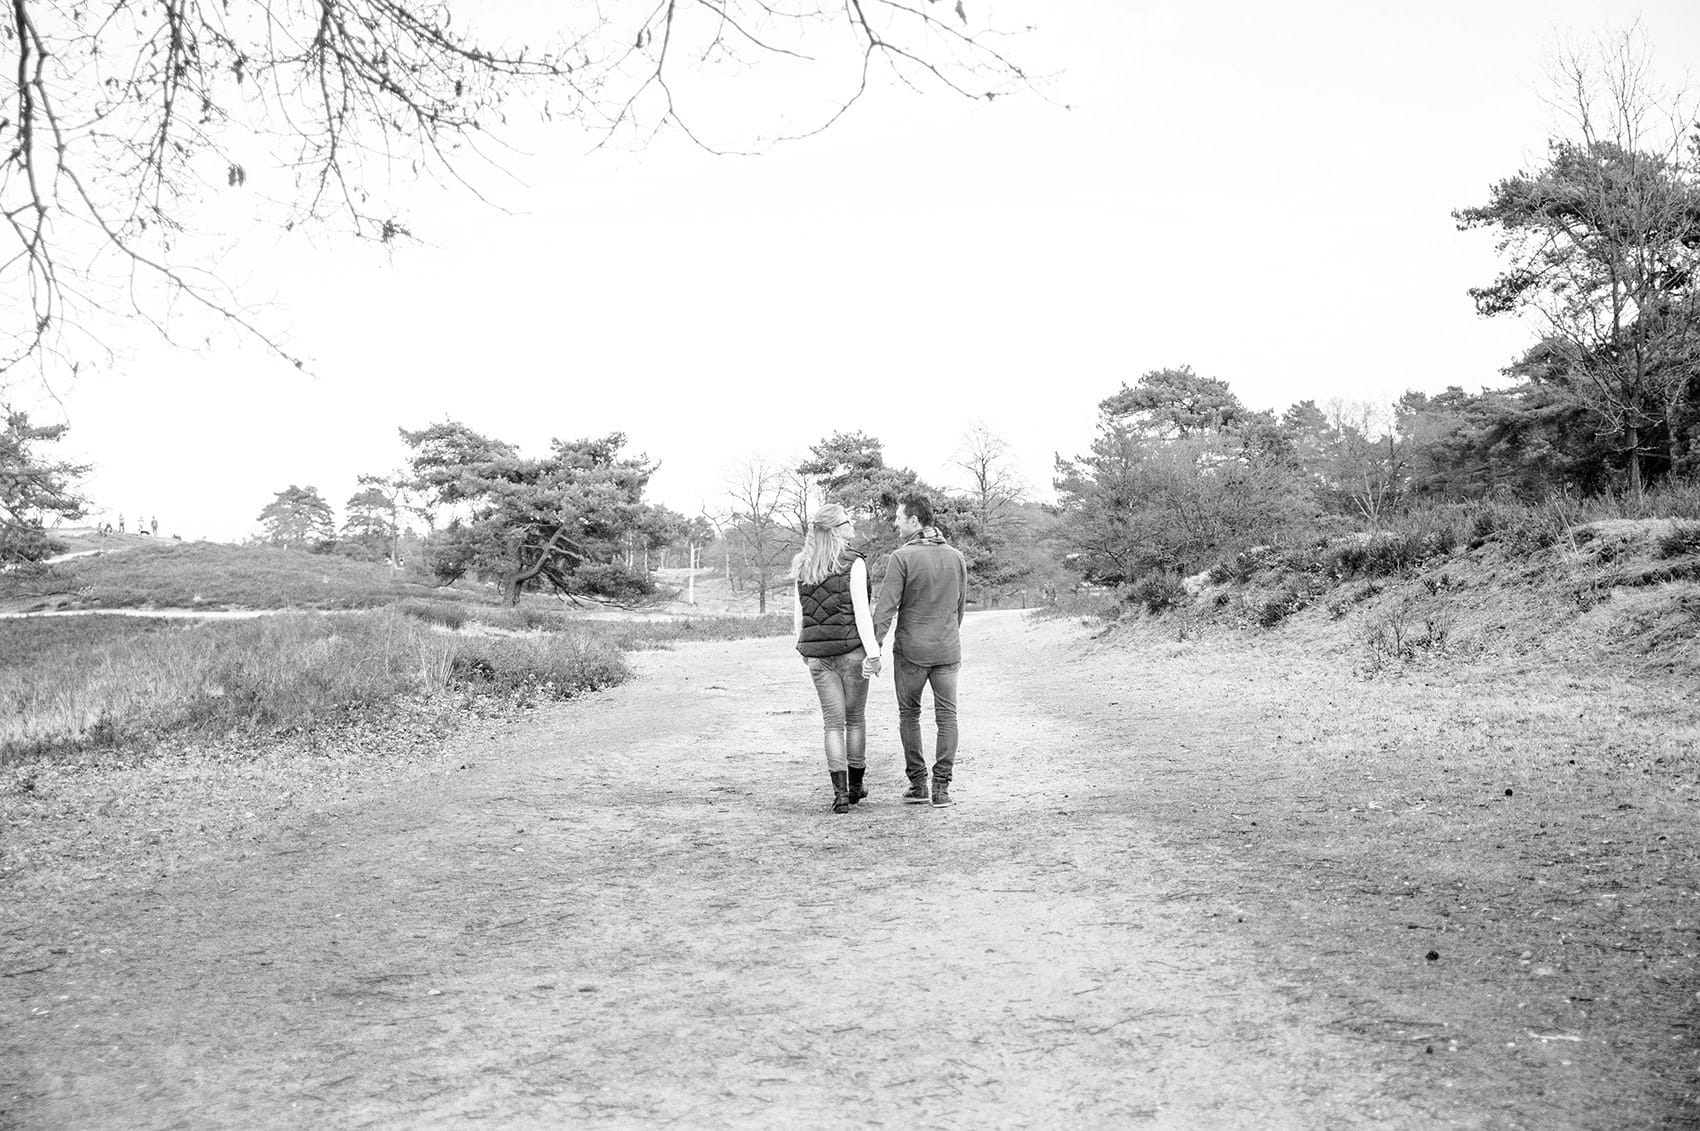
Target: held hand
(870, 667)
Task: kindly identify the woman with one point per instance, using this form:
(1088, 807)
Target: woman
(835, 634)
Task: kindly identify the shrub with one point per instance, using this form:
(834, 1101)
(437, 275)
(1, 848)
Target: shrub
(545, 620)
(556, 666)
(1346, 559)
(1379, 555)
(1158, 591)
(1682, 539)
(1279, 607)
(1443, 539)
(439, 613)
(1403, 631)
(1389, 554)
(1090, 604)
(1304, 559)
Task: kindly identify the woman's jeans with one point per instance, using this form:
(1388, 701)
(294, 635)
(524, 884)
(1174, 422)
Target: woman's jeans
(843, 707)
(910, 679)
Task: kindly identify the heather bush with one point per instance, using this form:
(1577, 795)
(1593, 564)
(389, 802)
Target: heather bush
(1682, 539)
(1403, 631)
(439, 613)
(1158, 591)
(1273, 611)
(553, 666)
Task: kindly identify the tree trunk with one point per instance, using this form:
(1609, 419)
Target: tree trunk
(1673, 413)
(1635, 485)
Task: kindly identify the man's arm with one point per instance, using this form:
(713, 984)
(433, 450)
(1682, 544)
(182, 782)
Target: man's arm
(961, 587)
(891, 596)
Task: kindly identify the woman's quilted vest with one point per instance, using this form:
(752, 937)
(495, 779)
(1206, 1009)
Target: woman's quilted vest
(829, 619)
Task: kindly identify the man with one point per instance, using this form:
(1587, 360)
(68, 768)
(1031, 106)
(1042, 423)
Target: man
(925, 590)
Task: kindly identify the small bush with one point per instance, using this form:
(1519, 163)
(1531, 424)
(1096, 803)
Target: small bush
(544, 620)
(1379, 555)
(1682, 539)
(441, 614)
(1304, 559)
(1443, 539)
(556, 666)
(1405, 630)
(1158, 591)
(1346, 559)
(1279, 607)
(1089, 604)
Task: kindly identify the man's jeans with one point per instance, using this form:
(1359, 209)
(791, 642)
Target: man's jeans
(910, 679)
(843, 707)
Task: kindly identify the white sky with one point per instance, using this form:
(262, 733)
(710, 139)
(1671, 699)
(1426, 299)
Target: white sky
(1259, 190)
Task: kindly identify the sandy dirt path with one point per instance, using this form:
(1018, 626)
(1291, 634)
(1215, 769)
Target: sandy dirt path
(636, 909)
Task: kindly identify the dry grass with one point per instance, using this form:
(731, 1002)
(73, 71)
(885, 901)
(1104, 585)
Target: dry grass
(104, 681)
(210, 575)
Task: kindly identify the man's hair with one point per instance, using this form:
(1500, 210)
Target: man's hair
(916, 506)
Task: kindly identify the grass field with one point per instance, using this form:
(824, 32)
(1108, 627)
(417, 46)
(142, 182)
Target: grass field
(102, 681)
(210, 575)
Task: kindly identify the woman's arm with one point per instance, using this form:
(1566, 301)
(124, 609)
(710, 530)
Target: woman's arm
(796, 614)
(859, 603)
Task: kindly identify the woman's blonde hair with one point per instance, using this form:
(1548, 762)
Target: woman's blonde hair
(823, 546)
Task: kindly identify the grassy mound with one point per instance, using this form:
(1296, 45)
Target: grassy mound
(344, 638)
(206, 575)
(1627, 590)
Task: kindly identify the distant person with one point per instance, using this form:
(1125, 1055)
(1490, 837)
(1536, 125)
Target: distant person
(153, 525)
(926, 591)
(835, 634)
(120, 524)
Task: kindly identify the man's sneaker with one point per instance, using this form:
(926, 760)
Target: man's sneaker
(941, 795)
(917, 794)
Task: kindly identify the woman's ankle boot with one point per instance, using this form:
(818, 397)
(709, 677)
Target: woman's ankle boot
(856, 790)
(840, 791)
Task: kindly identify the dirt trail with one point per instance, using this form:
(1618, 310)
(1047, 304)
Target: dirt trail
(636, 908)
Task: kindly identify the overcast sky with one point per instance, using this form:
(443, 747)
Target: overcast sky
(1262, 191)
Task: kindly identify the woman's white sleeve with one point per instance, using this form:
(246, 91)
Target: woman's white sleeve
(796, 614)
(859, 602)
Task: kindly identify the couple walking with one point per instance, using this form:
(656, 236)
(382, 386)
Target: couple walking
(839, 631)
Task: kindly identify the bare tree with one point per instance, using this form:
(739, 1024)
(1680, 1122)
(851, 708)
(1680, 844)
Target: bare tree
(127, 125)
(758, 490)
(800, 498)
(995, 484)
(1366, 463)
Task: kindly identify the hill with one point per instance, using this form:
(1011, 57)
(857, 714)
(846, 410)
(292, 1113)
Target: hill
(1624, 592)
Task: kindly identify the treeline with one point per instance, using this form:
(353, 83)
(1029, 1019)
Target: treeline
(1002, 533)
(575, 522)
(1181, 475)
